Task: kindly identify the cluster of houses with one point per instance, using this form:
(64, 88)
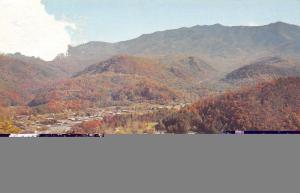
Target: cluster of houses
(50, 123)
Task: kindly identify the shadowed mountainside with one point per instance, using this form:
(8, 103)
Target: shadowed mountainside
(263, 69)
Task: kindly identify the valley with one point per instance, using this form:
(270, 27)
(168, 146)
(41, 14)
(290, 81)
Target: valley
(64, 122)
(145, 84)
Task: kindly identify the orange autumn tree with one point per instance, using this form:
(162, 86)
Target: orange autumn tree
(6, 124)
(87, 127)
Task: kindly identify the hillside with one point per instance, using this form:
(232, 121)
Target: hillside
(227, 48)
(265, 68)
(170, 69)
(272, 105)
(125, 79)
(124, 65)
(20, 76)
(97, 91)
(173, 65)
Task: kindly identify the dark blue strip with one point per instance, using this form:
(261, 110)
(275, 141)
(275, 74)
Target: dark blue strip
(4, 135)
(272, 132)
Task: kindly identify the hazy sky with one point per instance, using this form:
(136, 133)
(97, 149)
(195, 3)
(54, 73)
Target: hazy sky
(45, 28)
(115, 20)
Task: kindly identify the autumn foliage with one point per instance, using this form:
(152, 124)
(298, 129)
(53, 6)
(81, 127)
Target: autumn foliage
(123, 80)
(87, 127)
(7, 127)
(6, 124)
(273, 105)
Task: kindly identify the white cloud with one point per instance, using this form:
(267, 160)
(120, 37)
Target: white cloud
(26, 27)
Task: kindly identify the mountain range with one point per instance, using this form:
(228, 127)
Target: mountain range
(226, 48)
(178, 65)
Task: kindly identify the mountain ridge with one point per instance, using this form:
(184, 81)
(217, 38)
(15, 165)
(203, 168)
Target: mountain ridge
(265, 68)
(218, 44)
(181, 62)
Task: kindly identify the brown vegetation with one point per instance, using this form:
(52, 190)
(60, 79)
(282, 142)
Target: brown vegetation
(122, 80)
(273, 105)
(87, 127)
(6, 124)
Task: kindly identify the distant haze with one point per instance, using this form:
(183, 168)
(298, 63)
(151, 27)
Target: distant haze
(45, 28)
(119, 20)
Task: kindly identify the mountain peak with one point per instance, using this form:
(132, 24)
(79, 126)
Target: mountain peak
(217, 42)
(218, 25)
(281, 24)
